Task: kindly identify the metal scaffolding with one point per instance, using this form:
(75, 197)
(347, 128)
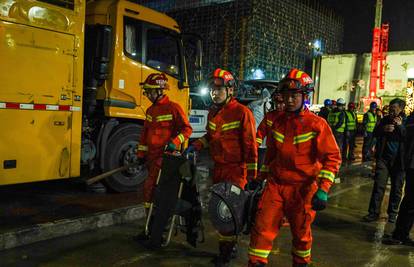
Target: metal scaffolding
(246, 35)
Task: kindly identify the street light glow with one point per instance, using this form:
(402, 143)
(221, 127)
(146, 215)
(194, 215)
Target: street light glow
(317, 44)
(258, 74)
(203, 90)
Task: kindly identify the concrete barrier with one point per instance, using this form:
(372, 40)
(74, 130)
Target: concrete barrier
(60, 228)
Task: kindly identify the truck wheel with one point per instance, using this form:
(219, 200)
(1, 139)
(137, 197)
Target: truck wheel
(121, 151)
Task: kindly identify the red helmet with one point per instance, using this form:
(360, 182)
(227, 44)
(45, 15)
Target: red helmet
(296, 81)
(156, 81)
(351, 105)
(222, 77)
(333, 102)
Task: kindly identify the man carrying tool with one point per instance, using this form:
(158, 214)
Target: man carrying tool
(303, 160)
(166, 128)
(231, 139)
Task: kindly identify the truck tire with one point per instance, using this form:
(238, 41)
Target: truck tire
(120, 151)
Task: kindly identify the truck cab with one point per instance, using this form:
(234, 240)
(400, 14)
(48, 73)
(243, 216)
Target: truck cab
(71, 95)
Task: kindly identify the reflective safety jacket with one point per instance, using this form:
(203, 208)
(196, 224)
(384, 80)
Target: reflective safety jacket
(350, 120)
(265, 126)
(165, 122)
(231, 136)
(337, 121)
(302, 149)
(370, 120)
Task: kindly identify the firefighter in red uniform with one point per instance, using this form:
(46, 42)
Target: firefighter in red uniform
(266, 124)
(231, 139)
(166, 127)
(303, 159)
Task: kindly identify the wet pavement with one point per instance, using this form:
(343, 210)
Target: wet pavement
(24, 205)
(340, 238)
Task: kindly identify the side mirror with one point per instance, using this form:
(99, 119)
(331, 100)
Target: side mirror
(199, 60)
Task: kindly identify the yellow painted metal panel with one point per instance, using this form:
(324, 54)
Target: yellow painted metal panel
(36, 65)
(41, 62)
(42, 15)
(40, 142)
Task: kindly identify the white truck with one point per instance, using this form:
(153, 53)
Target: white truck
(347, 76)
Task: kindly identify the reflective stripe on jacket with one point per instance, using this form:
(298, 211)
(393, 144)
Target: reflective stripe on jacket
(265, 126)
(165, 122)
(231, 136)
(303, 149)
(351, 120)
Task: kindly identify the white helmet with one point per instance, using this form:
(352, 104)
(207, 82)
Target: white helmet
(340, 101)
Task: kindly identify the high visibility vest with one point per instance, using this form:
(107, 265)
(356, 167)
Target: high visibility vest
(333, 119)
(351, 122)
(372, 121)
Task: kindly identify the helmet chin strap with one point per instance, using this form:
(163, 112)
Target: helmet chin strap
(301, 107)
(228, 97)
(159, 95)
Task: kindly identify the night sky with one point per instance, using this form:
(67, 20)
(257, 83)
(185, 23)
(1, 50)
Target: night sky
(359, 20)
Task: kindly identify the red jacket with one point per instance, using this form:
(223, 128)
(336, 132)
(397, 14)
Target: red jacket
(165, 122)
(231, 136)
(302, 149)
(265, 126)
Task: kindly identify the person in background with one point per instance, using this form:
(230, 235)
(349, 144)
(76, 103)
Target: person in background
(405, 219)
(350, 133)
(324, 112)
(389, 154)
(379, 114)
(385, 110)
(369, 122)
(279, 104)
(264, 130)
(260, 106)
(337, 121)
(333, 105)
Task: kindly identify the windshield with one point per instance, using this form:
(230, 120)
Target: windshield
(163, 51)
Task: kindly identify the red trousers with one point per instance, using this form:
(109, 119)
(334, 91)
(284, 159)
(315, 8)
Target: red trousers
(234, 173)
(292, 201)
(154, 167)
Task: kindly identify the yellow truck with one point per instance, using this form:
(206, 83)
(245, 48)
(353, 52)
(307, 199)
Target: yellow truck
(70, 95)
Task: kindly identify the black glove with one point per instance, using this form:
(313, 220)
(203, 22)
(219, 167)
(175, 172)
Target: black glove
(319, 200)
(253, 185)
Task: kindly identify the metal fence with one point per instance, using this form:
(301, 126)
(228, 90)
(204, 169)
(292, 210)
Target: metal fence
(249, 35)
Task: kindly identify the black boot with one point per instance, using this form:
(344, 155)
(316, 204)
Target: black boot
(228, 251)
(257, 264)
(300, 265)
